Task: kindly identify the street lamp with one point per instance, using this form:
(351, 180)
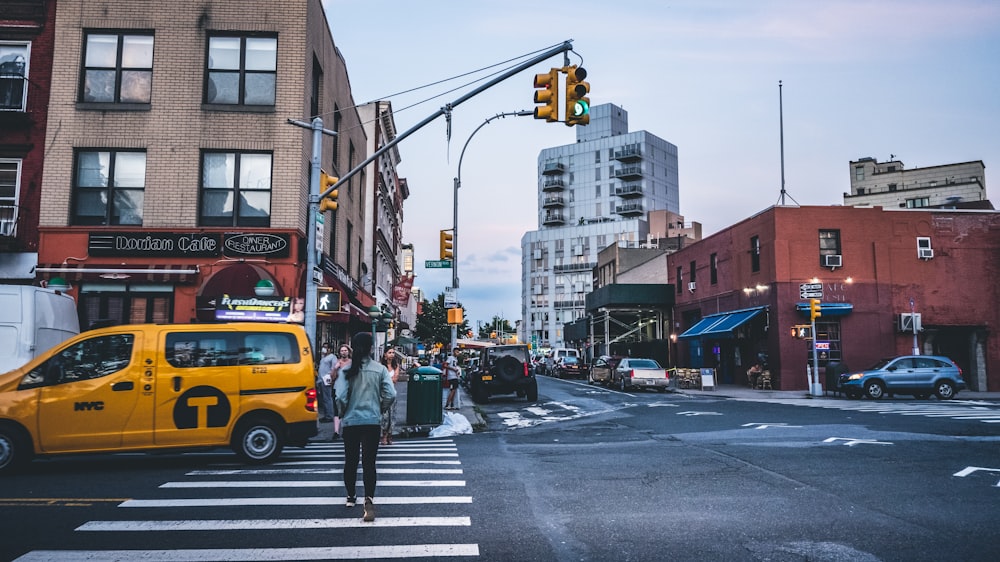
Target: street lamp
(376, 314)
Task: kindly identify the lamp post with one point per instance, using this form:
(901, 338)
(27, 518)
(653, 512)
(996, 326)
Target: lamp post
(376, 314)
(454, 232)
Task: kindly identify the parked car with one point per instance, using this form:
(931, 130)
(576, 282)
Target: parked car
(570, 367)
(556, 355)
(919, 375)
(601, 370)
(503, 369)
(640, 373)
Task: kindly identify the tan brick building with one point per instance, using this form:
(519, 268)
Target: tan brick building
(172, 175)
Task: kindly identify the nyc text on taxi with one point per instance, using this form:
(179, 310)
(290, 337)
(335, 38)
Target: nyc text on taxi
(249, 386)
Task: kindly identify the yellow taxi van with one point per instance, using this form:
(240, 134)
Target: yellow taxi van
(248, 386)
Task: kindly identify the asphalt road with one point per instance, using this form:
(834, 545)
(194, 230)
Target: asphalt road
(584, 474)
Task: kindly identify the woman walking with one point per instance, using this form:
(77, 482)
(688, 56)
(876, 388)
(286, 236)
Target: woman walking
(343, 362)
(363, 393)
(391, 363)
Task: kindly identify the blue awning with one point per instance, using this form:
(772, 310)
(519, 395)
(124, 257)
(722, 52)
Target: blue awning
(721, 326)
(827, 308)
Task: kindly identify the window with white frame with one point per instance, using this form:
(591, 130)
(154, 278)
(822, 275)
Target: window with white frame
(109, 187)
(10, 182)
(13, 75)
(235, 189)
(117, 68)
(241, 69)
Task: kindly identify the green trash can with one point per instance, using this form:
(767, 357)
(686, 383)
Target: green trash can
(423, 396)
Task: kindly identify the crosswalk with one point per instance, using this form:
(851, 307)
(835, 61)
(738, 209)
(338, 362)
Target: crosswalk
(418, 475)
(954, 409)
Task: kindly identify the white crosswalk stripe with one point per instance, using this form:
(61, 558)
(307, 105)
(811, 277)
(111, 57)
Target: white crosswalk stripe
(419, 466)
(958, 410)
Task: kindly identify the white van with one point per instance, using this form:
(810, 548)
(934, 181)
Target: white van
(556, 355)
(32, 320)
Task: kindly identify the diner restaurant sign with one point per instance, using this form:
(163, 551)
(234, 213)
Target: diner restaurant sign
(252, 309)
(189, 244)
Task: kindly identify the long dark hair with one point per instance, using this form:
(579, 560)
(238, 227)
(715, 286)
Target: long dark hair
(361, 344)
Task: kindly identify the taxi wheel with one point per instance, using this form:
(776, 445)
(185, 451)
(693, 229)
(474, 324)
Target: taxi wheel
(258, 440)
(15, 448)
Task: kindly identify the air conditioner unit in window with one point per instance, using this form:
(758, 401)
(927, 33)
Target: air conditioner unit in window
(692, 286)
(925, 253)
(834, 260)
(578, 250)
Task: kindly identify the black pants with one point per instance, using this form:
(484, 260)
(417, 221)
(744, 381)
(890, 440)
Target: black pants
(360, 441)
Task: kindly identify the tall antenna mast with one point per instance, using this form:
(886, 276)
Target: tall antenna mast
(781, 124)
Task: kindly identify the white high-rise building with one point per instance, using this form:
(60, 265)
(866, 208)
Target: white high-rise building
(591, 194)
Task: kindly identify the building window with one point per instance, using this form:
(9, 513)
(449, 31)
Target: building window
(892, 187)
(597, 174)
(691, 273)
(235, 189)
(829, 245)
(918, 202)
(597, 156)
(117, 68)
(755, 253)
(350, 233)
(859, 173)
(242, 70)
(713, 265)
(10, 181)
(13, 76)
(679, 278)
(109, 187)
(125, 304)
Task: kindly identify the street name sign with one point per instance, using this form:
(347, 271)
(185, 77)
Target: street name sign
(437, 264)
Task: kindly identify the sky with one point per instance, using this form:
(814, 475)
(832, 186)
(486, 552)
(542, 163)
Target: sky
(918, 79)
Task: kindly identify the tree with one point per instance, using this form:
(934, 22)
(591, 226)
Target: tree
(498, 325)
(432, 322)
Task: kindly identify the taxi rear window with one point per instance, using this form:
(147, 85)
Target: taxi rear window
(223, 349)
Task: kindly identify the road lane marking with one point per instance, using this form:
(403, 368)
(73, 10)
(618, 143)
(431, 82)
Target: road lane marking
(256, 554)
(322, 500)
(852, 442)
(270, 524)
(298, 483)
(57, 502)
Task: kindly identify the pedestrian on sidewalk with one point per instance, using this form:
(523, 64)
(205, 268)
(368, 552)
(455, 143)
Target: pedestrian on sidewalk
(343, 362)
(391, 362)
(364, 391)
(452, 376)
(324, 384)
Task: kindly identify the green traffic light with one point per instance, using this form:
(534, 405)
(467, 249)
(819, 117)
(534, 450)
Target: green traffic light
(581, 108)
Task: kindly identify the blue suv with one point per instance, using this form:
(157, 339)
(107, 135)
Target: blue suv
(919, 375)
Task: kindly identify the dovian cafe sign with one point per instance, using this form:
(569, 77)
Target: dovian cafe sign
(188, 245)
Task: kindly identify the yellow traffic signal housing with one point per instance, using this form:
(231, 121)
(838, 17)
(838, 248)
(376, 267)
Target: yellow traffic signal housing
(447, 245)
(547, 95)
(328, 203)
(577, 102)
(814, 309)
(455, 315)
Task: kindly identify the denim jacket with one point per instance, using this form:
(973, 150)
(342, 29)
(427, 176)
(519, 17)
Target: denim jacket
(362, 400)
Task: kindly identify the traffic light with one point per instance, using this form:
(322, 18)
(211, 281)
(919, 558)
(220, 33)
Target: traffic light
(577, 102)
(547, 95)
(802, 331)
(814, 309)
(447, 245)
(328, 203)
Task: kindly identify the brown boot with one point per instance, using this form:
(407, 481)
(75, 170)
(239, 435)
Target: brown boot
(369, 510)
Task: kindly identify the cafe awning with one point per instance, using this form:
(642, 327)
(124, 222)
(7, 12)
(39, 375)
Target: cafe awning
(722, 325)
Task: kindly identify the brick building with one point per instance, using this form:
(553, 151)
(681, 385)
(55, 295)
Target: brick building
(738, 290)
(172, 177)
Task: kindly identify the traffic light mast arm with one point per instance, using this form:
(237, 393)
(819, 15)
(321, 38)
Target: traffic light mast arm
(565, 46)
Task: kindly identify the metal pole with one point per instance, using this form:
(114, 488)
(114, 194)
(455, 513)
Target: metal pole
(814, 386)
(313, 253)
(913, 324)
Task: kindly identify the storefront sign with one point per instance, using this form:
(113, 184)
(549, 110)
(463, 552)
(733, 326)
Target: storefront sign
(154, 244)
(257, 244)
(253, 309)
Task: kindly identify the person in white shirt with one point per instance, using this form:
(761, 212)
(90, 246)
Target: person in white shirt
(451, 375)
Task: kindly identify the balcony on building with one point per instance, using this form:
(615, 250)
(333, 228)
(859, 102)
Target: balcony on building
(629, 172)
(553, 184)
(553, 167)
(553, 201)
(630, 209)
(576, 266)
(629, 190)
(630, 153)
(554, 218)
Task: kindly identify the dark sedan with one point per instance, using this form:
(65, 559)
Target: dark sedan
(570, 367)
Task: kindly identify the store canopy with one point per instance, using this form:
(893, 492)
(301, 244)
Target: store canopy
(721, 326)
(827, 308)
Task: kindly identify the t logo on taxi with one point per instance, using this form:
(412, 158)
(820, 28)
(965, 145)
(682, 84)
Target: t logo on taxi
(200, 407)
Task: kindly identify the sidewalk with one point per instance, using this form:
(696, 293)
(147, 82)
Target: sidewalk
(739, 391)
(466, 407)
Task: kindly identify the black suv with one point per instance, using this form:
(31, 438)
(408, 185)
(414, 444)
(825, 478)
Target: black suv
(503, 369)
